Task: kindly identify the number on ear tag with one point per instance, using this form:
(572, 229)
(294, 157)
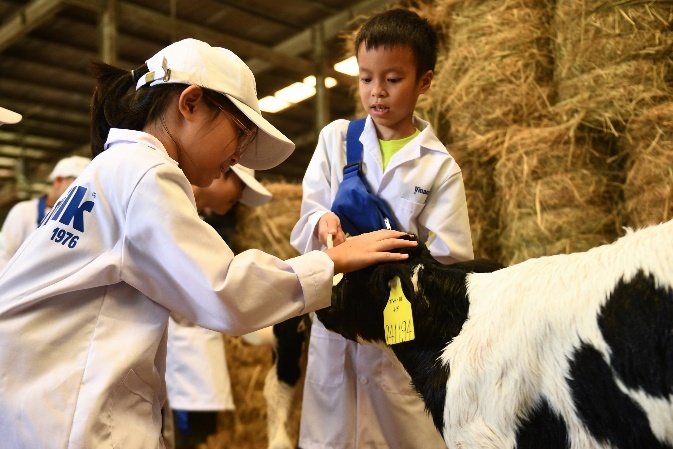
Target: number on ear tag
(397, 319)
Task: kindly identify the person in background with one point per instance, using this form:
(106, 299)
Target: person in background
(7, 117)
(84, 305)
(355, 396)
(197, 378)
(24, 217)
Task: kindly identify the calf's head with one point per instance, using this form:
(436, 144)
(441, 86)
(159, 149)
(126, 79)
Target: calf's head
(439, 305)
(437, 294)
(359, 298)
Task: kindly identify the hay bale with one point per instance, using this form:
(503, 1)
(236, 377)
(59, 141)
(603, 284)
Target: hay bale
(611, 59)
(595, 34)
(607, 98)
(648, 188)
(268, 227)
(555, 190)
(479, 191)
(494, 70)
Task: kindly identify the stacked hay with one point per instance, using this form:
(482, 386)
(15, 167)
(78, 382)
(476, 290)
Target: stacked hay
(558, 180)
(552, 191)
(611, 59)
(648, 189)
(494, 71)
(266, 228)
(497, 69)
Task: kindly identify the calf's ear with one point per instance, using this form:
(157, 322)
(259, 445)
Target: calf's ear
(412, 251)
(382, 275)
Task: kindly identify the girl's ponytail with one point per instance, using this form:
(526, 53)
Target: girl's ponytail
(116, 103)
(108, 102)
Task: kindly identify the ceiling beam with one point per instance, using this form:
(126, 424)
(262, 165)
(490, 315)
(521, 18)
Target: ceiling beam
(15, 152)
(129, 13)
(303, 42)
(244, 7)
(49, 112)
(15, 138)
(27, 19)
(284, 55)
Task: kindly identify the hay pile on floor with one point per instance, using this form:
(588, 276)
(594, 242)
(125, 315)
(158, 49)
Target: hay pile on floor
(494, 71)
(554, 191)
(609, 59)
(266, 228)
(245, 427)
(648, 189)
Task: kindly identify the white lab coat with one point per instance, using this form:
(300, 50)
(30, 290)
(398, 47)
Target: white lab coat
(355, 396)
(19, 223)
(83, 319)
(197, 377)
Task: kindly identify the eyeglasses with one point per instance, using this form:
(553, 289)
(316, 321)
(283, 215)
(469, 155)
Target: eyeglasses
(245, 135)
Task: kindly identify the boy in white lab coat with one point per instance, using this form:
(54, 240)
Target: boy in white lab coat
(354, 396)
(84, 303)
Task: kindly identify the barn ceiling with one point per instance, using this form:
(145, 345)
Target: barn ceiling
(46, 45)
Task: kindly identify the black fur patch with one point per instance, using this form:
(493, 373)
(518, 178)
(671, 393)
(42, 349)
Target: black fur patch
(637, 324)
(609, 414)
(542, 429)
(288, 349)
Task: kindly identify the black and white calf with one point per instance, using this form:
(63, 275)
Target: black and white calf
(570, 351)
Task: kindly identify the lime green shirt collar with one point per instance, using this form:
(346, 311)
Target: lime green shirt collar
(390, 147)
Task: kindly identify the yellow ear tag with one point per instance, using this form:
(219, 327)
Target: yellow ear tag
(397, 319)
(431, 237)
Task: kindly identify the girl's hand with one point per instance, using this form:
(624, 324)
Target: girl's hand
(368, 249)
(330, 224)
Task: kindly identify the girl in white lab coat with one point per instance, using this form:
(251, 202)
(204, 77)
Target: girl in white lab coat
(84, 303)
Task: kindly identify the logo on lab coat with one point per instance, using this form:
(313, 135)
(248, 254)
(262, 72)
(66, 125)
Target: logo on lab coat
(70, 210)
(422, 191)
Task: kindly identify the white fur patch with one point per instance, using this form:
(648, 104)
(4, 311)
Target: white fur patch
(278, 397)
(523, 323)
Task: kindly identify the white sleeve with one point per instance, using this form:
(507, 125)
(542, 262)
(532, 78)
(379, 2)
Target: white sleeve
(318, 188)
(179, 261)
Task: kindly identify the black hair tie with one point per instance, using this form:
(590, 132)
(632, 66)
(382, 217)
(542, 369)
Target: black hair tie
(139, 72)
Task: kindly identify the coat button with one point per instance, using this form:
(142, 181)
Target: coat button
(363, 380)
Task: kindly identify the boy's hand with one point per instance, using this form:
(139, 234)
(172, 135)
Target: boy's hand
(330, 224)
(368, 249)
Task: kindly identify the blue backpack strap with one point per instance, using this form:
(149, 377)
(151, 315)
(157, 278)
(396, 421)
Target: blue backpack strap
(41, 208)
(357, 208)
(353, 144)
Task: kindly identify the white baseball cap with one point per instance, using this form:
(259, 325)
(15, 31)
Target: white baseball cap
(194, 62)
(9, 117)
(69, 167)
(254, 194)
